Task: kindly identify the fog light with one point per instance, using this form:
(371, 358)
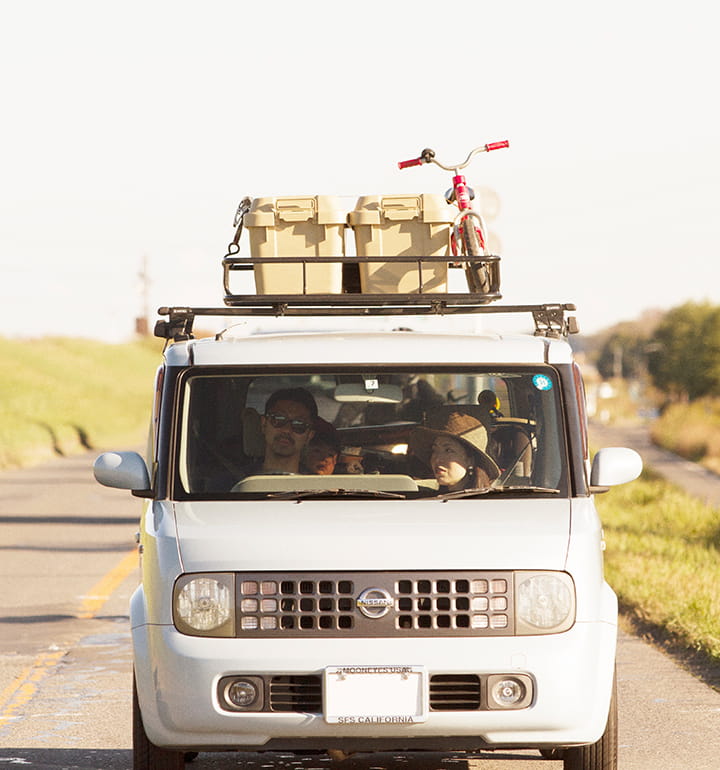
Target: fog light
(241, 693)
(509, 691)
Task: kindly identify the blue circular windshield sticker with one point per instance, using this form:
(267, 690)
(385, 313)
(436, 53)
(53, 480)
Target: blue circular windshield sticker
(542, 382)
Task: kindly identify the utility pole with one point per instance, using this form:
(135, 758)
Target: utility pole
(141, 322)
(617, 360)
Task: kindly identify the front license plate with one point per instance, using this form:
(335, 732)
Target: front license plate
(375, 694)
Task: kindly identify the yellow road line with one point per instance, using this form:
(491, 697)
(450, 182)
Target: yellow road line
(102, 591)
(19, 692)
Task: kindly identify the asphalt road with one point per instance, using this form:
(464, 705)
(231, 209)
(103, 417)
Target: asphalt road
(695, 479)
(67, 569)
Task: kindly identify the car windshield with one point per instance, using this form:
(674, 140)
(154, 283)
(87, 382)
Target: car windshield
(386, 433)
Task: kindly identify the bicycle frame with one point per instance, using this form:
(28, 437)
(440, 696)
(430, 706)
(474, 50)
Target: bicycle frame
(461, 194)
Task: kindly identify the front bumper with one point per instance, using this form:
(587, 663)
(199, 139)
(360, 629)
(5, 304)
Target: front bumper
(177, 678)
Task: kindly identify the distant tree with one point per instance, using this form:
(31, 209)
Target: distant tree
(622, 354)
(684, 352)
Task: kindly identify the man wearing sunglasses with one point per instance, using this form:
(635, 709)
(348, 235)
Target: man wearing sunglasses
(290, 414)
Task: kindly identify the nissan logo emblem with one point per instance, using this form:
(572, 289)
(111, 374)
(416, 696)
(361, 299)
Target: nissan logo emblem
(374, 602)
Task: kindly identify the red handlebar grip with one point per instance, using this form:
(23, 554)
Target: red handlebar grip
(497, 145)
(408, 163)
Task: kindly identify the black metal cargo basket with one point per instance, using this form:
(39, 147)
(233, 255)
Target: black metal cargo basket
(483, 276)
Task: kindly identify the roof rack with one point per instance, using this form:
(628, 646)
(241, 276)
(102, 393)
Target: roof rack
(549, 319)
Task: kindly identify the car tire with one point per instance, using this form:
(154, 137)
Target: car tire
(146, 755)
(601, 755)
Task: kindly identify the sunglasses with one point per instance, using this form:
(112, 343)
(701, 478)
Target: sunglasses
(280, 421)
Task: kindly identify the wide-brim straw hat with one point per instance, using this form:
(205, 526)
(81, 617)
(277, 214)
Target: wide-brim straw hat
(465, 428)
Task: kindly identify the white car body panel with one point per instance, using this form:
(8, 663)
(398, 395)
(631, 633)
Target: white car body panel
(353, 347)
(375, 535)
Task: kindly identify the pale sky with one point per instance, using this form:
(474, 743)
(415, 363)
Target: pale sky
(131, 130)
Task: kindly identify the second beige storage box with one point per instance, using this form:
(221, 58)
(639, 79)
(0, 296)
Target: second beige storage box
(402, 225)
(300, 226)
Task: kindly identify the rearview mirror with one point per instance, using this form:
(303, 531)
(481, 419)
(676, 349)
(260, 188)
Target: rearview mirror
(369, 392)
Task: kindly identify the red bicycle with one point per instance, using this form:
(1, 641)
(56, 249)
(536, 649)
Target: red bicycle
(468, 238)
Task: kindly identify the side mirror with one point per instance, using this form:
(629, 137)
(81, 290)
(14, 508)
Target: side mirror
(612, 466)
(123, 470)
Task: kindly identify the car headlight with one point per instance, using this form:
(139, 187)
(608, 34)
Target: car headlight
(204, 604)
(544, 602)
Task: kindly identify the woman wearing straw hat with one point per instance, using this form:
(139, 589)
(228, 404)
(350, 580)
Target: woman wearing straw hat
(453, 445)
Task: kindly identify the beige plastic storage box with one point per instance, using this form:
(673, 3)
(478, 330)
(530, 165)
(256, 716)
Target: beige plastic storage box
(402, 225)
(304, 226)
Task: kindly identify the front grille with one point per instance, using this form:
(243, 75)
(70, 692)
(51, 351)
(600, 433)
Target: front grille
(454, 692)
(448, 692)
(393, 604)
(296, 605)
(296, 693)
(476, 604)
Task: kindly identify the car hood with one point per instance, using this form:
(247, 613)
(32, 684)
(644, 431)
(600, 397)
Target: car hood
(373, 535)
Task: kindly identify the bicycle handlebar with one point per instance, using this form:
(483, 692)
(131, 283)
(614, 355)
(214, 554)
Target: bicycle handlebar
(408, 163)
(428, 156)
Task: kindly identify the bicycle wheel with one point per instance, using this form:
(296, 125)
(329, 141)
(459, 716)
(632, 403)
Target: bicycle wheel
(476, 273)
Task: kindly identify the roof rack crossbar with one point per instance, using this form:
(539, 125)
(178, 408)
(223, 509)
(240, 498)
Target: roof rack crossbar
(550, 319)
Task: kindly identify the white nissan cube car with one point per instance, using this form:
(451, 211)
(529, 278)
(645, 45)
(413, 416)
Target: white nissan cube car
(363, 541)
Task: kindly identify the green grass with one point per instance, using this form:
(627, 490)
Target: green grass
(663, 560)
(59, 396)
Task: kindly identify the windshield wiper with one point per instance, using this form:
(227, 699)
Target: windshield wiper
(304, 494)
(478, 492)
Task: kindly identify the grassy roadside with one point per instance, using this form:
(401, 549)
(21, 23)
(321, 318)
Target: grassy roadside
(59, 396)
(662, 560)
(692, 431)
